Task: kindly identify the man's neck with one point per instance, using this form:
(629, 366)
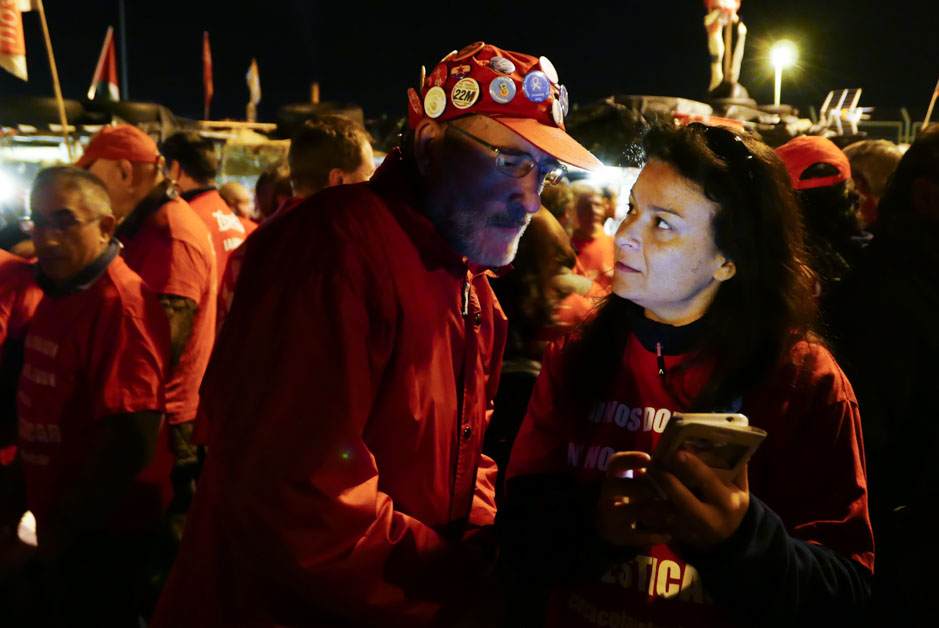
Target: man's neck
(187, 184)
(83, 278)
(139, 194)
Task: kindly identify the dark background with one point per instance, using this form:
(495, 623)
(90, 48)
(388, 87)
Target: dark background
(370, 52)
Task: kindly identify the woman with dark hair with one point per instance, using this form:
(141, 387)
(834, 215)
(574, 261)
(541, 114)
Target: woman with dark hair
(711, 312)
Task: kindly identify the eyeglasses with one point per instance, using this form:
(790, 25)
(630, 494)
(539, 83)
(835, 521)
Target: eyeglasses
(519, 164)
(59, 222)
(728, 146)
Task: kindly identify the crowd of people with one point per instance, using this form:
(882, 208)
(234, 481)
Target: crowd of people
(428, 394)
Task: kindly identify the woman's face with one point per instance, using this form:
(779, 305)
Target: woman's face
(666, 259)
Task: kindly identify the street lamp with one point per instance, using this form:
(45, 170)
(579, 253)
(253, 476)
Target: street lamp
(783, 54)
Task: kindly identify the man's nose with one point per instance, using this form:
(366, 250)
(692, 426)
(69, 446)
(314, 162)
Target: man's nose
(532, 185)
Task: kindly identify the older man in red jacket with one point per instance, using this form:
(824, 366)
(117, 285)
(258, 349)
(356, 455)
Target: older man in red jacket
(353, 380)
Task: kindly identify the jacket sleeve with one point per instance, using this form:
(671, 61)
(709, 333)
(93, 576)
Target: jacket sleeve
(302, 495)
(770, 578)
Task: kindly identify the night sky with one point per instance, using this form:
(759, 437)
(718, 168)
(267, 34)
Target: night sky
(370, 52)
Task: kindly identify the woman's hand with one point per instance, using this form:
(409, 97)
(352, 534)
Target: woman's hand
(630, 512)
(704, 510)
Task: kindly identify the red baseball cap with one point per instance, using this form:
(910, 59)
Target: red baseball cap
(123, 141)
(799, 153)
(517, 90)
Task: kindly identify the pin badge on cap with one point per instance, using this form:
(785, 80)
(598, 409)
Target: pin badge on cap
(556, 113)
(548, 68)
(459, 71)
(423, 78)
(564, 99)
(439, 76)
(415, 101)
(469, 51)
(536, 86)
(448, 55)
(501, 65)
(502, 89)
(464, 93)
(435, 101)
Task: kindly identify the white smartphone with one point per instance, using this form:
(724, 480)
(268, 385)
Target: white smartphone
(723, 441)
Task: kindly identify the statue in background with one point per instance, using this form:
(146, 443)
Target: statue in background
(719, 23)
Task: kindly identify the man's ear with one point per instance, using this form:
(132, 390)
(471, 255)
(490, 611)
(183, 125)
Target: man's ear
(107, 224)
(126, 168)
(426, 132)
(727, 270)
(172, 170)
(336, 176)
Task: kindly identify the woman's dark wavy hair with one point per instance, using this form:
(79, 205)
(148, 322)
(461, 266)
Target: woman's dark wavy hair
(758, 314)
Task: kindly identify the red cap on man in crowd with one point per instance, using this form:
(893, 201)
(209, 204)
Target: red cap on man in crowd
(123, 141)
(801, 152)
(517, 90)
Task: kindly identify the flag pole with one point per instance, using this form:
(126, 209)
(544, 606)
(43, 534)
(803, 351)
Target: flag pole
(55, 79)
(104, 53)
(124, 85)
(932, 103)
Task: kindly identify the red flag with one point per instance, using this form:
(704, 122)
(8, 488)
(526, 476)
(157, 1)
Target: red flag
(12, 44)
(104, 81)
(207, 72)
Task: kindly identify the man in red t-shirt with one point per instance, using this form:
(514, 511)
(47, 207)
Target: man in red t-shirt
(191, 163)
(241, 202)
(594, 247)
(167, 244)
(90, 407)
(19, 296)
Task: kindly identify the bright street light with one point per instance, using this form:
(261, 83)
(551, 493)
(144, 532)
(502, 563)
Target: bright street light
(783, 54)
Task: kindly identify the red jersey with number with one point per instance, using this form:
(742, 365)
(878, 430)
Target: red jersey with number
(95, 353)
(172, 252)
(225, 227)
(595, 256)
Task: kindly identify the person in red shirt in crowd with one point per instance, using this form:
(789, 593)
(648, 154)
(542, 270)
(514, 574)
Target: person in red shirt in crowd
(872, 164)
(344, 484)
(241, 202)
(594, 247)
(192, 164)
(327, 151)
(272, 188)
(711, 311)
(91, 404)
(167, 244)
(559, 201)
(19, 296)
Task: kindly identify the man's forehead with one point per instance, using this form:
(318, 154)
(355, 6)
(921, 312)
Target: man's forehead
(56, 197)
